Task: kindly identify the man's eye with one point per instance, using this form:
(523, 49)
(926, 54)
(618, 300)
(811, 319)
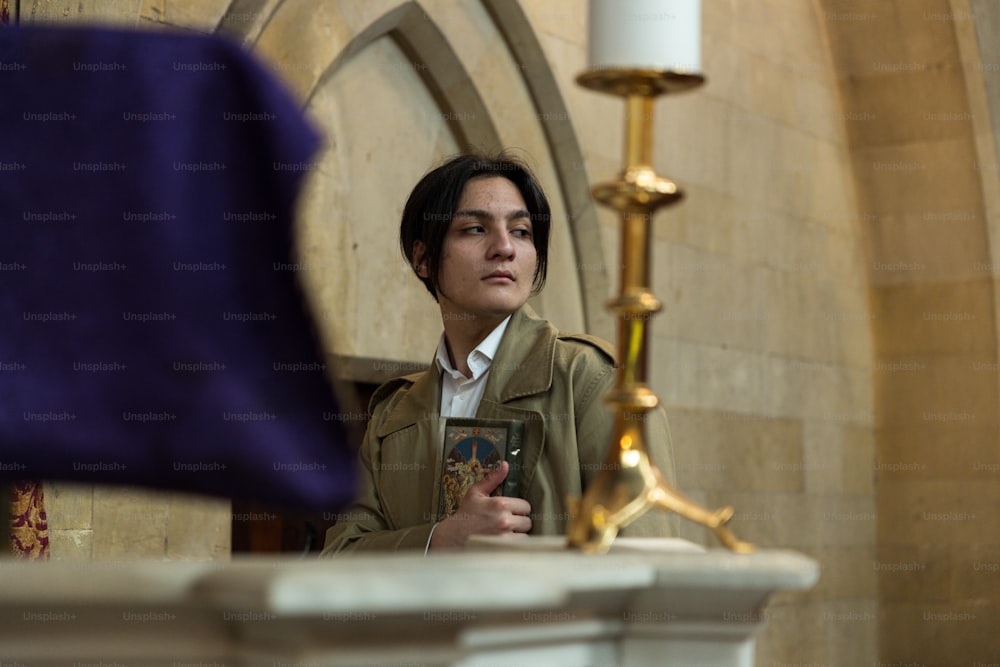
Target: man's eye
(523, 233)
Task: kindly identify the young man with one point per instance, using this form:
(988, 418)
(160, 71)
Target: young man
(475, 231)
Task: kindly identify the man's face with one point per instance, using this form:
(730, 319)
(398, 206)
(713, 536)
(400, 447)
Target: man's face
(488, 258)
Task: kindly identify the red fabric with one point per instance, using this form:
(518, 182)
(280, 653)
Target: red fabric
(29, 527)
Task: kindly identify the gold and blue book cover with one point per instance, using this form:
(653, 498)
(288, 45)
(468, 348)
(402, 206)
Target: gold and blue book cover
(474, 447)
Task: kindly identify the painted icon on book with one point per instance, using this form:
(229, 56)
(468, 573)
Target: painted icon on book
(472, 448)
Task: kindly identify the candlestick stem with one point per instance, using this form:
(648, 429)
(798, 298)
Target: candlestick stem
(638, 135)
(630, 484)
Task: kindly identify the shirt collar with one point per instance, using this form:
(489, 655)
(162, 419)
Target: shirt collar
(479, 359)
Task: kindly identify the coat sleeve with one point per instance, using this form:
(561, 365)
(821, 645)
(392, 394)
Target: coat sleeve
(595, 423)
(364, 526)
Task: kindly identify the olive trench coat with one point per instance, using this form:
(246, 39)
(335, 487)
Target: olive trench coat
(554, 382)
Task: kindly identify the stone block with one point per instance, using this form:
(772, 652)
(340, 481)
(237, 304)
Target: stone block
(773, 520)
(139, 523)
(908, 100)
(848, 521)
(851, 631)
(70, 544)
(939, 634)
(113, 12)
(912, 573)
(938, 511)
(846, 574)
(945, 318)
(945, 390)
(197, 14)
(719, 450)
(976, 571)
(938, 450)
(129, 523)
(69, 506)
(198, 528)
(929, 177)
(781, 644)
(561, 19)
(859, 454)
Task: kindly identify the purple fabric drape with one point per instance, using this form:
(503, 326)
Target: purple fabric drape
(152, 329)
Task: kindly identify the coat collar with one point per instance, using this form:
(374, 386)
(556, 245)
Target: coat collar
(522, 367)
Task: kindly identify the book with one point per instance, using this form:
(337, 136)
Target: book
(474, 447)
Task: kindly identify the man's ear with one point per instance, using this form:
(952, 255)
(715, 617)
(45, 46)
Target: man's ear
(419, 263)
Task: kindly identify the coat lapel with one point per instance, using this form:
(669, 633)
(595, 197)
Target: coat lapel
(409, 436)
(523, 365)
(522, 368)
(421, 401)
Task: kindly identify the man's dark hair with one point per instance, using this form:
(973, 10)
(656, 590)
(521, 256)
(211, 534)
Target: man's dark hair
(434, 200)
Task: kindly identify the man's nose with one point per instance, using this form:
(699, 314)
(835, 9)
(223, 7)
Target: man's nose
(501, 244)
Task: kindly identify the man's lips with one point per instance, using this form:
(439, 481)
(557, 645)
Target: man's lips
(500, 277)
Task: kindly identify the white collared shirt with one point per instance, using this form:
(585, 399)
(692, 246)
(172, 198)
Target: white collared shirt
(460, 395)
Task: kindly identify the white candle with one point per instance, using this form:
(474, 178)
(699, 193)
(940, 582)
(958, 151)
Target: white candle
(655, 34)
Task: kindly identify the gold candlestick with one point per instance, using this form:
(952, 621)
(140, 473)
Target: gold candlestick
(630, 485)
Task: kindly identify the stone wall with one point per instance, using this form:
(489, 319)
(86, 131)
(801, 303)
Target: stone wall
(97, 522)
(916, 80)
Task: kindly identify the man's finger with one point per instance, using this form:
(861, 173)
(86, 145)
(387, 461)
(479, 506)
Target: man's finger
(490, 481)
(517, 506)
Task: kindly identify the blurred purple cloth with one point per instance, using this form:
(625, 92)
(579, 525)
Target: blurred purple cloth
(153, 331)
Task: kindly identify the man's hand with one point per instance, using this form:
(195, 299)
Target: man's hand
(479, 513)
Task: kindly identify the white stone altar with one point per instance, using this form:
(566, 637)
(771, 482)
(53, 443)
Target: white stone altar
(649, 602)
